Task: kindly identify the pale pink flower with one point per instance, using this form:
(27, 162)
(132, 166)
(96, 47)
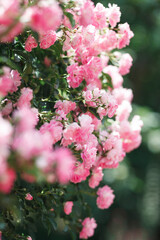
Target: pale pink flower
(130, 133)
(45, 18)
(32, 143)
(88, 34)
(9, 10)
(87, 13)
(113, 71)
(100, 16)
(88, 95)
(6, 131)
(95, 82)
(25, 98)
(125, 64)
(26, 118)
(69, 134)
(7, 109)
(6, 82)
(82, 134)
(29, 197)
(67, 44)
(115, 152)
(93, 67)
(95, 121)
(110, 141)
(102, 112)
(3, 164)
(113, 14)
(104, 101)
(64, 165)
(9, 82)
(105, 197)
(125, 34)
(16, 80)
(123, 111)
(112, 105)
(15, 31)
(7, 180)
(48, 39)
(76, 75)
(89, 155)
(30, 43)
(112, 108)
(64, 107)
(54, 128)
(76, 41)
(86, 122)
(112, 145)
(96, 177)
(108, 41)
(68, 207)
(121, 94)
(80, 173)
(89, 224)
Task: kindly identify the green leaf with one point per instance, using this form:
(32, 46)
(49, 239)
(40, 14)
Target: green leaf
(53, 223)
(94, 112)
(70, 17)
(73, 235)
(10, 63)
(35, 35)
(57, 47)
(107, 77)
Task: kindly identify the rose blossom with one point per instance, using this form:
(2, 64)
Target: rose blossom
(105, 197)
(29, 197)
(89, 224)
(68, 207)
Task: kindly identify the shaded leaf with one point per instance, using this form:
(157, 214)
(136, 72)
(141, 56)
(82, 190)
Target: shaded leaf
(94, 112)
(70, 17)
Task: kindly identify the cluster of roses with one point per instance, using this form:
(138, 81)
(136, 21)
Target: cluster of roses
(85, 146)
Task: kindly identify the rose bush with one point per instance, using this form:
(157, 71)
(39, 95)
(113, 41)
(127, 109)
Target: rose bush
(64, 112)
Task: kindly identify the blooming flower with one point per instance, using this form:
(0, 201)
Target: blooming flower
(7, 180)
(125, 64)
(105, 197)
(46, 16)
(48, 39)
(25, 98)
(96, 177)
(89, 224)
(113, 14)
(29, 197)
(68, 207)
(30, 43)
